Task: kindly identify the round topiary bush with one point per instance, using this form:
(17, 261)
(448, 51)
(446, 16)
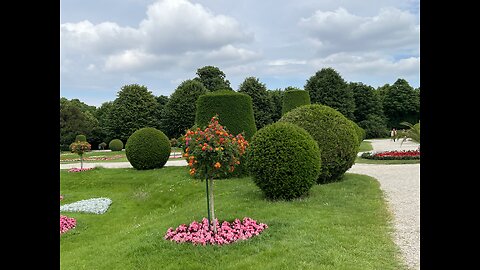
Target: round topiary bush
(147, 148)
(359, 131)
(80, 138)
(284, 161)
(293, 99)
(115, 145)
(235, 110)
(335, 135)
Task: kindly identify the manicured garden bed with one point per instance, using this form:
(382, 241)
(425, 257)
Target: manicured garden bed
(392, 155)
(342, 225)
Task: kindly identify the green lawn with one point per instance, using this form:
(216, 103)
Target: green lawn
(68, 155)
(365, 146)
(343, 225)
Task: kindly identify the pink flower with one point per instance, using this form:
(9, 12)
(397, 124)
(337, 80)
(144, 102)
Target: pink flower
(66, 223)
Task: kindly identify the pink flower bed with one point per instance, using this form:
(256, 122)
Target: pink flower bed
(79, 170)
(94, 158)
(66, 223)
(227, 233)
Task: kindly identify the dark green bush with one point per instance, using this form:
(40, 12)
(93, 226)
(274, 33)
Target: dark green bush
(115, 145)
(234, 110)
(335, 135)
(359, 131)
(148, 148)
(293, 99)
(284, 161)
(80, 138)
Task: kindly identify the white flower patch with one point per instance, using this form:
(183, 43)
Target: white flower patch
(94, 206)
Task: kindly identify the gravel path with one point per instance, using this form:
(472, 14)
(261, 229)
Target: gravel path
(401, 185)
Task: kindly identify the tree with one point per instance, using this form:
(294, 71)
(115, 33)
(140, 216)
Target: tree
(80, 148)
(366, 102)
(382, 91)
(327, 87)
(213, 78)
(262, 104)
(401, 104)
(74, 121)
(213, 152)
(161, 102)
(276, 96)
(412, 133)
(134, 108)
(179, 111)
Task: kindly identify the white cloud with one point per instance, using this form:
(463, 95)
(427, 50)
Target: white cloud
(284, 62)
(340, 31)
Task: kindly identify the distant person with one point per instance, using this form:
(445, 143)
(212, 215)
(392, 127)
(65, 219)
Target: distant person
(393, 134)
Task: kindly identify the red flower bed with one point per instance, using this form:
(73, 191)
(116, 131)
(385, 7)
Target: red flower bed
(227, 233)
(392, 155)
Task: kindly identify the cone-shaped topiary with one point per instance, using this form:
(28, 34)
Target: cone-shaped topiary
(115, 145)
(293, 99)
(148, 148)
(234, 109)
(335, 135)
(284, 161)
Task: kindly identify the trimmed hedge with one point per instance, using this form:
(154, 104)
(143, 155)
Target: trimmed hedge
(335, 135)
(284, 161)
(235, 111)
(81, 138)
(293, 99)
(115, 145)
(148, 148)
(359, 131)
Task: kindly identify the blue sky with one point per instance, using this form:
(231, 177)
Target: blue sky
(106, 44)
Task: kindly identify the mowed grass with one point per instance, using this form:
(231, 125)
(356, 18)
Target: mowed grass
(67, 155)
(365, 146)
(343, 225)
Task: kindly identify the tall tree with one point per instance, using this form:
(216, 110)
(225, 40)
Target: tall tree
(327, 87)
(73, 121)
(179, 111)
(401, 104)
(134, 108)
(366, 101)
(276, 96)
(213, 78)
(262, 104)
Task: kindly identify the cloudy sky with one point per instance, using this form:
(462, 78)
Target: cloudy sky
(106, 44)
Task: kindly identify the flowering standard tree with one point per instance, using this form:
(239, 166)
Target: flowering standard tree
(80, 148)
(212, 153)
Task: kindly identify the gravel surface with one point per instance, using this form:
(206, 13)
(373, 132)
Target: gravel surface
(401, 185)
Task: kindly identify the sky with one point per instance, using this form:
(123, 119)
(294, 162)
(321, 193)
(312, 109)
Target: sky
(106, 44)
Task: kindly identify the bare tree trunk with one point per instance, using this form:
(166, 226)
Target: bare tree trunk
(81, 161)
(212, 210)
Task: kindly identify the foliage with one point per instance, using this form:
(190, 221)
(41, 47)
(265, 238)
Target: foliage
(147, 148)
(293, 99)
(375, 126)
(401, 103)
(276, 96)
(80, 147)
(335, 135)
(366, 101)
(262, 104)
(74, 121)
(103, 145)
(284, 161)
(359, 131)
(328, 88)
(392, 155)
(115, 145)
(179, 112)
(412, 133)
(134, 108)
(213, 152)
(213, 78)
(174, 142)
(235, 110)
(80, 138)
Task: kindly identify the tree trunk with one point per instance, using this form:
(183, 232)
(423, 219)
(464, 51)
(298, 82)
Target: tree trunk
(81, 161)
(212, 210)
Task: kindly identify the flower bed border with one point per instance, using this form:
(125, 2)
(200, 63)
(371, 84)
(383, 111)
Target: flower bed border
(396, 155)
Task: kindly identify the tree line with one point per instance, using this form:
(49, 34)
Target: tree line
(375, 110)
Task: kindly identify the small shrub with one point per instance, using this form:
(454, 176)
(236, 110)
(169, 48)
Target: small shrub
(115, 145)
(80, 138)
(173, 142)
(284, 161)
(102, 145)
(147, 148)
(293, 99)
(335, 135)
